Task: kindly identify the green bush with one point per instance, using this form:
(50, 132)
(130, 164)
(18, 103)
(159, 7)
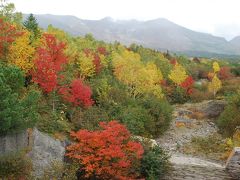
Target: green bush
(17, 111)
(89, 118)
(178, 95)
(15, 166)
(154, 163)
(53, 122)
(137, 120)
(161, 112)
(229, 119)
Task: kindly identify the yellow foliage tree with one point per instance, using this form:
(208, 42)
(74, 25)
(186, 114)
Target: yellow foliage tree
(216, 67)
(59, 34)
(215, 85)
(21, 53)
(178, 74)
(85, 65)
(140, 78)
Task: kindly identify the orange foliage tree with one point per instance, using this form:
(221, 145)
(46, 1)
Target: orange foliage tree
(225, 73)
(108, 153)
(77, 93)
(48, 63)
(8, 33)
(188, 84)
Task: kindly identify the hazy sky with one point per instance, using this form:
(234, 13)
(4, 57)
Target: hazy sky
(218, 17)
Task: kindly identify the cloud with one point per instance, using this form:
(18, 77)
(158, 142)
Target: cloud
(229, 31)
(211, 16)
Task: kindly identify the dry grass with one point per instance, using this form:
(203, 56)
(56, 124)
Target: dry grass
(198, 96)
(196, 115)
(211, 147)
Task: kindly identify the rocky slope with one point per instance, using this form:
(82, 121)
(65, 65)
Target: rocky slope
(181, 132)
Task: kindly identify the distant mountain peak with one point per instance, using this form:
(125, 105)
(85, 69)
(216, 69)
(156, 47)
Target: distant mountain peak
(160, 34)
(108, 18)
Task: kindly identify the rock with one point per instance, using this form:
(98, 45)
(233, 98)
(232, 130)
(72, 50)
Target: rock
(191, 172)
(151, 142)
(44, 151)
(213, 109)
(193, 168)
(13, 142)
(183, 112)
(233, 163)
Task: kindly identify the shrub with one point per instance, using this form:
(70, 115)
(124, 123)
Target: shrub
(108, 153)
(230, 86)
(52, 123)
(198, 95)
(230, 143)
(15, 166)
(229, 119)
(59, 170)
(161, 113)
(88, 118)
(16, 112)
(154, 163)
(178, 95)
(137, 120)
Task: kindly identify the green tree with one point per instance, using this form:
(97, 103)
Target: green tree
(17, 111)
(31, 24)
(7, 12)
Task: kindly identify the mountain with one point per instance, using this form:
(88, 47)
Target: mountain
(160, 34)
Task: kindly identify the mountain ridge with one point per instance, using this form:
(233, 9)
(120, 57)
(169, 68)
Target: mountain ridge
(159, 34)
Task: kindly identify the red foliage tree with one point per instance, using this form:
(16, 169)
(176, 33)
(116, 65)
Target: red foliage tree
(187, 84)
(97, 63)
(96, 59)
(102, 50)
(173, 62)
(8, 33)
(77, 93)
(107, 153)
(48, 63)
(225, 73)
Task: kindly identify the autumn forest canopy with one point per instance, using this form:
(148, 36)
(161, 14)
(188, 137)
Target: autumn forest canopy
(101, 95)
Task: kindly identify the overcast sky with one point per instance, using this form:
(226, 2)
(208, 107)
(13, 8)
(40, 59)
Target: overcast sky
(218, 17)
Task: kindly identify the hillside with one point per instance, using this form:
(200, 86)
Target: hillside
(76, 107)
(160, 34)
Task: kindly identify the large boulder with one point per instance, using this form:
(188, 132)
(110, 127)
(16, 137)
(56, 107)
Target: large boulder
(13, 142)
(233, 163)
(213, 109)
(44, 151)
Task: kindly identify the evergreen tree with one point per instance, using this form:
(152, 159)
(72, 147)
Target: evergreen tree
(31, 24)
(16, 112)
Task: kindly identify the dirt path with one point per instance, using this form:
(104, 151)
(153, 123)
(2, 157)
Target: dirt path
(183, 128)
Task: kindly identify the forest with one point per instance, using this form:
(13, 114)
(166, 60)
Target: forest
(102, 96)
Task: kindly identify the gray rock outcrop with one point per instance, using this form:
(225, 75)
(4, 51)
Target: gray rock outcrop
(42, 149)
(13, 142)
(45, 150)
(213, 109)
(233, 163)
